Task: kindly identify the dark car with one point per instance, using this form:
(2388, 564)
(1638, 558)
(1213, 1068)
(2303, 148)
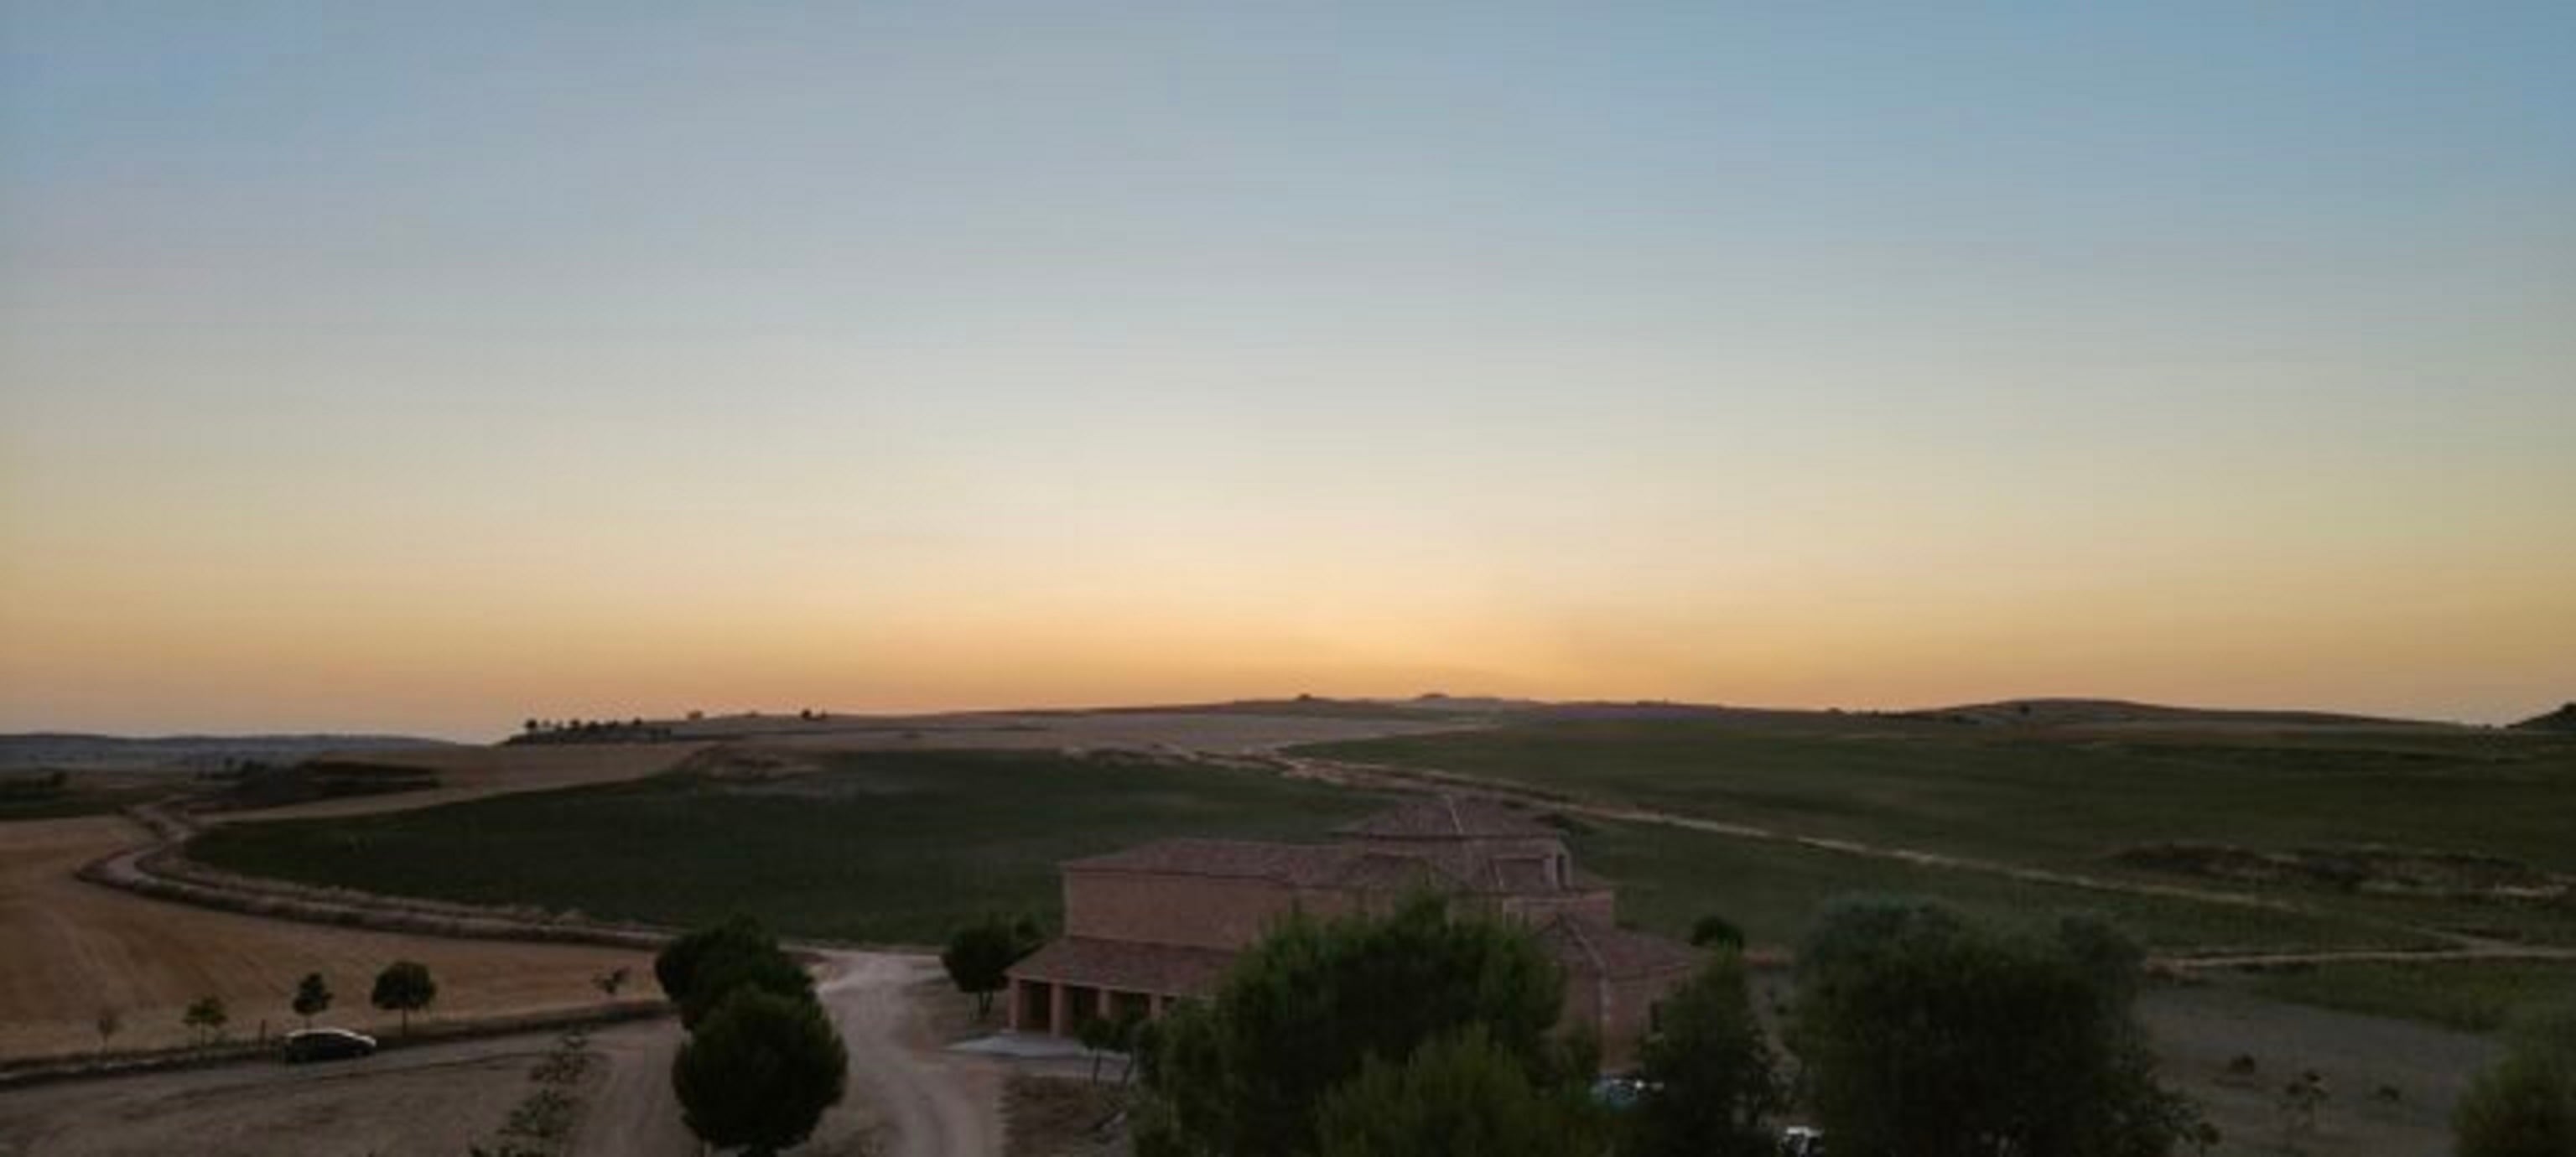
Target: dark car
(327, 1044)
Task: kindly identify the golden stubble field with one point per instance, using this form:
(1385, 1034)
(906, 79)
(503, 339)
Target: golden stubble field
(70, 949)
(75, 948)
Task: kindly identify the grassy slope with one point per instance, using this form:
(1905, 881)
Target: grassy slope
(75, 800)
(902, 846)
(884, 847)
(2066, 800)
(2475, 997)
(1668, 877)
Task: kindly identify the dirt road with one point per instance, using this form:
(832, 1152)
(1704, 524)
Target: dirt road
(74, 949)
(906, 1098)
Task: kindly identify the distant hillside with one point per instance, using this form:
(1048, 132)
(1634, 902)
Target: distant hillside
(2095, 712)
(2563, 720)
(48, 749)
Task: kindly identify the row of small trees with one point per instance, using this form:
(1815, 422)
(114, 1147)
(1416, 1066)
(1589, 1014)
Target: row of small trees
(403, 987)
(1427, 1032)
(762, 1061)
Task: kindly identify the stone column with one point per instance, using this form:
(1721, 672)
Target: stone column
(1058, 1004)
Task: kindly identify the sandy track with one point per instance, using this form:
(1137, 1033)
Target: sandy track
(430, 1102)
(74, 948)
(906, 1097)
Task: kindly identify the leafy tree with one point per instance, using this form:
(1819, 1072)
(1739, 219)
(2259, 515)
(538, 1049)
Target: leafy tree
(1709, 1075)
(2524, 1105)
(1715, 931)
(697, 970)
(768, 969)
(1456, 1096)
(404, 987)
(312, 996)
(109, 1023)
(1926, 1036)
(1097, 1035)
(1303, 1010)
(206, 1017)
(759, 1071)
(979, 956)
(676, 966)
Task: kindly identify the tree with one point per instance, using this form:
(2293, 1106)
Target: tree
(759, 1071)
(312, 996)
(2524, 1105)
(1456, 1096)
(768, 969)
(1715, 931)
(1927, 1036)
(404, 987)
(109, 1023)
(1303, 1009)
(675, 967)
(206, 1017)
(1708, 1072)
(1097, 1035)
(980, 955)
(697, 970)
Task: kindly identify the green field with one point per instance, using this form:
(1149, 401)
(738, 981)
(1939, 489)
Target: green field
(40, 796)
(2072, 798)
(1668, 877)
(876, 847)
(901, 847)
(2472, 997)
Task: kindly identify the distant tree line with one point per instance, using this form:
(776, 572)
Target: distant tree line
(543, 731)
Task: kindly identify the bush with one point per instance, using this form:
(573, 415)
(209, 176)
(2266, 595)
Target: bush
(1710, 1080)
(1458, 1096)
(980, 955)
(698, 970)
(1926, 1036)
(1303, 1010)
(759, 1071)
(2525, 1104)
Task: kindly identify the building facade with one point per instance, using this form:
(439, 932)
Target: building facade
(1158, 923)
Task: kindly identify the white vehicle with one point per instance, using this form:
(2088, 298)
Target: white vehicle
(327, 1044)
(1801, 1141)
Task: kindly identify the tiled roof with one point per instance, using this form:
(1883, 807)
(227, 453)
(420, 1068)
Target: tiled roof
(1450, 817)
(1127, 966)
(1589, 949)
(1284, 863)
(1445, 867)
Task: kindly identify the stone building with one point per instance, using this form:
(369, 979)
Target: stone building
(1158, 923)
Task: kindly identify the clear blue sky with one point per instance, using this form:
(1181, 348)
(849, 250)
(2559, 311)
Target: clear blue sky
(435, 366)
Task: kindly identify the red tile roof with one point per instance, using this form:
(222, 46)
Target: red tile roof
(1451, 817)
(1283, 863)
(1127, 966)
(1588, 949)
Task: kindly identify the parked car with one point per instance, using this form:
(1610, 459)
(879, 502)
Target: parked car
(1620, 1092)
(327, 1044)
(1801, 1141)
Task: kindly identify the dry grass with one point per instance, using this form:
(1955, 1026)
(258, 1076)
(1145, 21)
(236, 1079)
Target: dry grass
(474, 772)
(75, 948)
(1059, 1116)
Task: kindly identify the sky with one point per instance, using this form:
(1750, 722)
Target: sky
(428, 367)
